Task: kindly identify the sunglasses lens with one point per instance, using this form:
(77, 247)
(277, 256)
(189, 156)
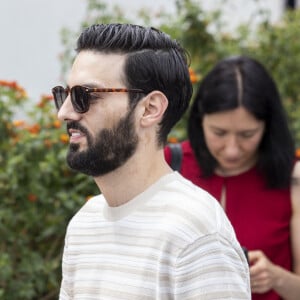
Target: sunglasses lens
(60, 95)
(80, 99)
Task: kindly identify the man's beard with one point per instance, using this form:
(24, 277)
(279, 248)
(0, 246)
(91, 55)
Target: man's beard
(109, 151)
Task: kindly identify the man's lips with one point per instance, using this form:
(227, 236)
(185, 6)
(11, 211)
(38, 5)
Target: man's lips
(75, 134)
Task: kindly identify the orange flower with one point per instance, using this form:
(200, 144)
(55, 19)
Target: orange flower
(32, 197)
(172, 140)
(297, 153)
(57, 124)
(21, 94)
(47, 97)
(64, 138)
(18, 123)
(10, 84)
(14, 85)
(48, 143)
(34, 129)
(41, 104)
(44, 100)
(193, 76)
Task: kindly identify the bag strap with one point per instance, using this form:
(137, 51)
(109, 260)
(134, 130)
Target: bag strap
(176, 156)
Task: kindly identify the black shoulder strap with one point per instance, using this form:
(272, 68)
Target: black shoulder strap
(176, 156)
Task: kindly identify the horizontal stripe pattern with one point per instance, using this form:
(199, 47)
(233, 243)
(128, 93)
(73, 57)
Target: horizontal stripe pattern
(173, 241)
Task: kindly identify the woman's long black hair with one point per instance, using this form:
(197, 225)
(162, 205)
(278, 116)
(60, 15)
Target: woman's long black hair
(243, 81)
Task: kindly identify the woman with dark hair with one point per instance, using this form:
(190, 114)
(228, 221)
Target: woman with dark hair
(241, 150)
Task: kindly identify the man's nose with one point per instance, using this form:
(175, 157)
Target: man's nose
(67, 112)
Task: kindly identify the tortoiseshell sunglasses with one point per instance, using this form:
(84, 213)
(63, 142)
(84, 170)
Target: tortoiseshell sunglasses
(80, 95)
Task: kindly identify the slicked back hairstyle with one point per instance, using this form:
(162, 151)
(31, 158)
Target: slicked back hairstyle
(154, 61)
(243, 81)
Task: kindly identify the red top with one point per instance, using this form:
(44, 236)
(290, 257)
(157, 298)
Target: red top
(260, 216)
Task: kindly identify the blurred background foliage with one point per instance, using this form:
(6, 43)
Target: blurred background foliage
(40, 193)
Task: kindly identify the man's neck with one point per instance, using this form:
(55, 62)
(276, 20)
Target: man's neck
(134, 177)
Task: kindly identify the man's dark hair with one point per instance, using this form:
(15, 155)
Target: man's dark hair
(243, 81)
(154, 61)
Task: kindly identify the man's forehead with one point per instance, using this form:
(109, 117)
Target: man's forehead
(90, 57)
(97, 68)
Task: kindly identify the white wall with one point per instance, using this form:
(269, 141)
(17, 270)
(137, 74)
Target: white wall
(30, 40)
(30, 34)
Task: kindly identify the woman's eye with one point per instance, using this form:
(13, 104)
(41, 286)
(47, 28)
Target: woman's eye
(219, 133)
(247, 135)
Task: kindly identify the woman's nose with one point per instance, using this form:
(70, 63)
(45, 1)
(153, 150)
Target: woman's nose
(232, 148)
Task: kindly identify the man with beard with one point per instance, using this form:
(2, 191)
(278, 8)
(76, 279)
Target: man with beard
(151, 234)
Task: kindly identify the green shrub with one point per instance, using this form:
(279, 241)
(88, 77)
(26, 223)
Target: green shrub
(39, 194)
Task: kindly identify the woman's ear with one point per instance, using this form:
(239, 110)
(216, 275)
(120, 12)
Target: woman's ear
(154, 106)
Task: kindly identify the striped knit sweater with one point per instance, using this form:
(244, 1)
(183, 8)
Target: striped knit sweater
(173, 241)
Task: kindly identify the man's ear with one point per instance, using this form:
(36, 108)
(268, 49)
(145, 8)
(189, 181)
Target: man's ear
(154, 106)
